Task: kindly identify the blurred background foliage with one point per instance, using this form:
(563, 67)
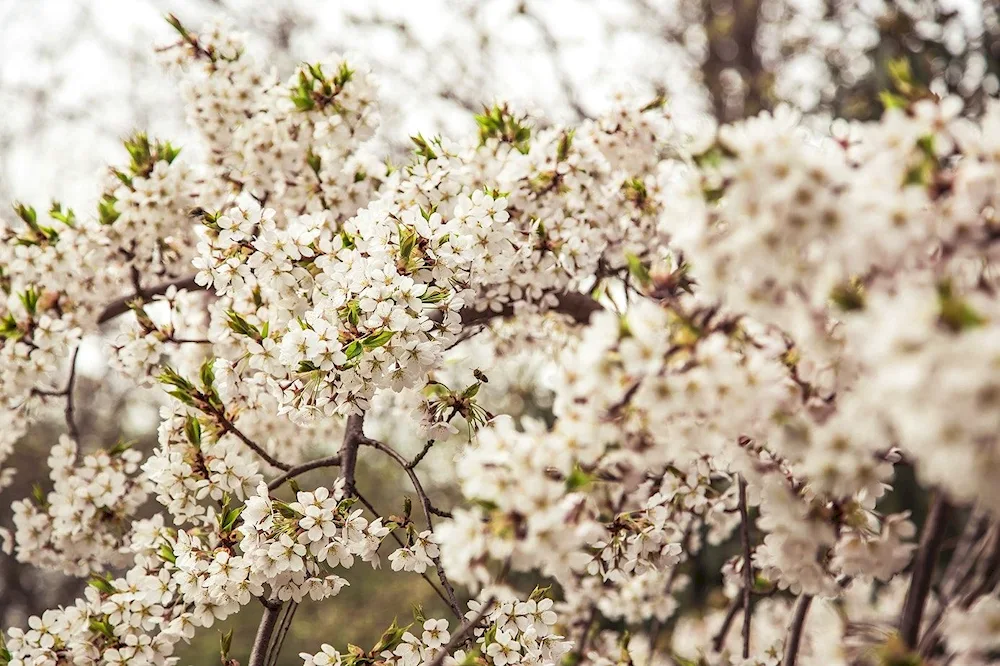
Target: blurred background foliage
(77, 75)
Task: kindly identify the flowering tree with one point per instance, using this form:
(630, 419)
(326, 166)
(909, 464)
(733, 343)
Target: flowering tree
(636, 344)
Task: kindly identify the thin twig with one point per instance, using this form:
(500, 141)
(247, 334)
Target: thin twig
(958, 575)
(747, 566)
(581, 644)
(420, 456)
(463, 631)
(399, 541)
(923, 570)
(425, 504)
(795, 630)
(727, 622)
(74, 432)
(329, 461)
(67, 393)
(228, 426)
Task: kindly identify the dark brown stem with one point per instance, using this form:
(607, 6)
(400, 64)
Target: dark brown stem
(229, 427)
(727, 622)
(120, 306)
(923, 570)
(425, 504)
(459, 636)
(268, 621)
(795, 630)
(581, 645)
(67, 393)
(580, 307)
(279, 638)
(420, 456)
(329, 461)
(747, 567)
(370, 507)
(354, 436)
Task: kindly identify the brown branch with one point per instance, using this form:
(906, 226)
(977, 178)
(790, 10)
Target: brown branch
(425, 504)
(279, 638)
(329, 461)
(747, 566)
(120, 306)
(959, 573)
(923, 570)
(227, 426)
(727, 622)
(580, 307)
(354, 436)
(66, 392)
(795, 630)
(581, 645)
(370, 507)
(459, 636)
(268, 621)
(420, 456)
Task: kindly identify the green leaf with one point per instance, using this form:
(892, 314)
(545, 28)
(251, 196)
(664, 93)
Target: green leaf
(314, 161)
(101, 584)
(353, 350)
(231, 517)
(955, 313)
(578, 479)
(424, 149)
(39, 495)
(207, 373)
(120, 448)
(565, 144)
(435, 295)
(891, 100)
(102, 627)
(376, 340)
(225, 644)
(166, 554)
(67, 217)
(849, 296)
(192, 429)
(407, 241)
(638, 269)
(241, 326)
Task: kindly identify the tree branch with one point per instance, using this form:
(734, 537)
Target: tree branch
(425, 504)
(329, 461)
(795, 630)
(399, 541)
(229, 427)
(747, 566)
(120, 306)
(923, 569)
(580, 307)
(354, 436)
(727, 622)
(279, 638)
(268, 621)
(459, 636)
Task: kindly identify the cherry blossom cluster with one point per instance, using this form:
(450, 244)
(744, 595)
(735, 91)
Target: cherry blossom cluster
(497, 631)
(624, 347)
(82, 525)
